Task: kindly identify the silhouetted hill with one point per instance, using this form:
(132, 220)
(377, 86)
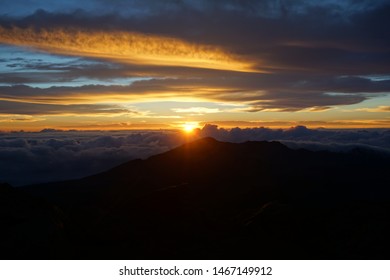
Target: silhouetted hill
(30, 227)
(213, 200)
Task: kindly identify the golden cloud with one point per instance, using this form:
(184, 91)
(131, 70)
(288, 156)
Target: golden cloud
(378, 109)
(11, 118)
(334, 124)
(126, 47)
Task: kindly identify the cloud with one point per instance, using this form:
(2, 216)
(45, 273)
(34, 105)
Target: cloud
(30, 70)
(49, 155)
(303, 137)
(258, 93)
(197, 110)
(18, 118)
(375, 109)
(300, 36)
(131, 47)
(338, 124)
(24, 108)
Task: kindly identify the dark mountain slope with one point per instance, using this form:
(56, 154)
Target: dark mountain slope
(30, 227)
(209, 199)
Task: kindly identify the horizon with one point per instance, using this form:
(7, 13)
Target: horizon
(197, 127)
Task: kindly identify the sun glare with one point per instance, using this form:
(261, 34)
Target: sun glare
(189, 127)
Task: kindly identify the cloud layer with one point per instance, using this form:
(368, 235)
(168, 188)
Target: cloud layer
(303, 137)
(51, 155)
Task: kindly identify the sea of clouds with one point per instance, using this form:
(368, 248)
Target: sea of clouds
(51, 155)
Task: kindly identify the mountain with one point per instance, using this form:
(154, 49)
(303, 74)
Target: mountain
(214, 200)
(30, 227)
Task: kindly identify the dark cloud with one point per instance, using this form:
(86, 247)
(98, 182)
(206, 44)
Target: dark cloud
(19, 108)
(32, 71)
(259, 92)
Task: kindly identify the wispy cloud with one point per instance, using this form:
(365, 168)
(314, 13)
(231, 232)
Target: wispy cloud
(126, 47)
(24, 108)
(378, 109)
(197, 110)
(10, 118)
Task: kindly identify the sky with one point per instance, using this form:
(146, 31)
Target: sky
(136, 64)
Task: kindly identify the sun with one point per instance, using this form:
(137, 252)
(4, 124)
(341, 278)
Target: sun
(189, 127)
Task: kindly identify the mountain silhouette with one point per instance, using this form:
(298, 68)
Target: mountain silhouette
(211, 200)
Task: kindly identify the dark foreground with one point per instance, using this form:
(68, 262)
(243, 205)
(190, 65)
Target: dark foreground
(208, 200)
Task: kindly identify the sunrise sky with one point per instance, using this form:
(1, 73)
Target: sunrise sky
(99, 64)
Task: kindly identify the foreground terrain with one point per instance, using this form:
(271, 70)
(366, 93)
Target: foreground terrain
(208, 200)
